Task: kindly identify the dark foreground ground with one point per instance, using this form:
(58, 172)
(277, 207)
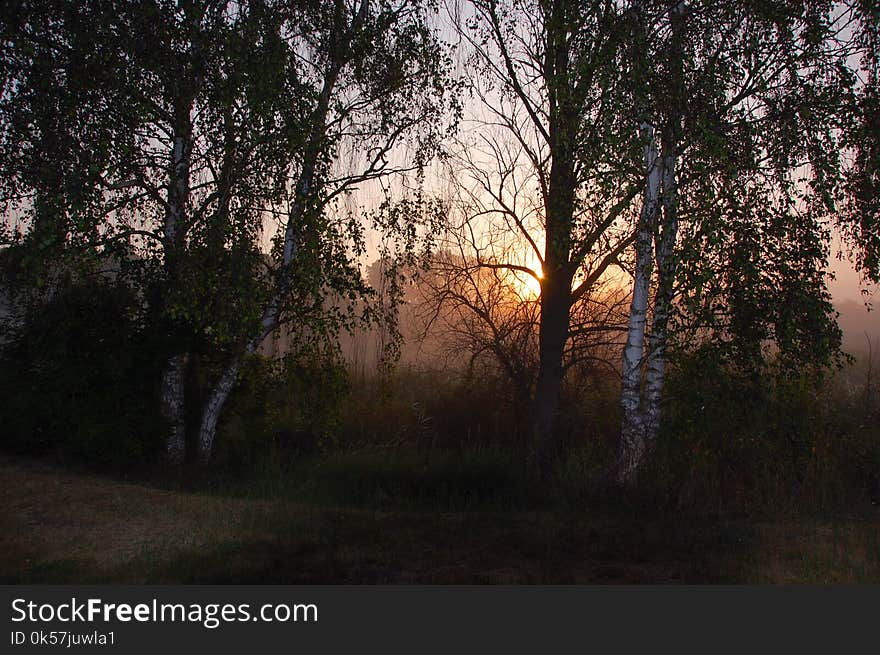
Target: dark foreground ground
(61, 527)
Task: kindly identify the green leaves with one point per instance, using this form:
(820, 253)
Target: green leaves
(771, 88)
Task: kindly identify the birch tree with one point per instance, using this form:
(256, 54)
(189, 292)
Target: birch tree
(209, 121)
(177, 118)
(634, 422)
(750, 100)
(377, 81)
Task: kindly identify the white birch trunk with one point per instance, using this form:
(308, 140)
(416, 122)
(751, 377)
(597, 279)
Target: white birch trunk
(173, 407)
(269, 322)
(178, 189)
(212, 408)
(173, 377)
(272, 312)
(297, 214)
(656, 369)
(666, 261)
(220, 392)
(632, 437)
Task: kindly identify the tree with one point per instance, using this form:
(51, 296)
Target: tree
(485, 317)
(377, 79)
(179, 126)
(552, 78)
(209, 120)
(745, 184)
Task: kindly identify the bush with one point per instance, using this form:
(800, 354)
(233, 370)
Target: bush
(739, 441)
(423, 408)
(281, 409)
(78, 379)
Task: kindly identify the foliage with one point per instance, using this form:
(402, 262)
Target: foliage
(753, 287)
(182, 130)
(759, 179)
(859, 216)
(735, 440)
(79, 381)
(282, 409)
(254, 125)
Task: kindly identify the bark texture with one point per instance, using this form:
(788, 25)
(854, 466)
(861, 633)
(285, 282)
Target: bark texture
(173, 399)
(213, 406)
(632, 434)
(666, 257)
(657, 236)
(656, 366)
(173, 407)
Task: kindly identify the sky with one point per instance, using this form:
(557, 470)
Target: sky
(858, 305)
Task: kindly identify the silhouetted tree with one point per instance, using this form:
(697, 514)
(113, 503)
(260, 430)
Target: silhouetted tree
(376, 81)
(748, 103)
(558, 166)
(169, 135)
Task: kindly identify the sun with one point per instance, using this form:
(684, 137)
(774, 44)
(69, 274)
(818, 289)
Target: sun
(527, 286)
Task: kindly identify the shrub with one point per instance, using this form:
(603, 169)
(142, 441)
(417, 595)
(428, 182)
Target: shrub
(78, 379)
(281, 409)
(738, 441)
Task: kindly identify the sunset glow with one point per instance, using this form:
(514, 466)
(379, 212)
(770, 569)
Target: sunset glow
(273, 311)
(527, 287)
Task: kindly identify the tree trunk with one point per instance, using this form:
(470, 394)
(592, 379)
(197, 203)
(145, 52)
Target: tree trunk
(554, 326)
(632, 433)
(221, 390)
(641, 418)
(666, 261)
(555, 317)
(212, 409)
(656, 369)
(173, 399)
(173, 407)
(296, 224)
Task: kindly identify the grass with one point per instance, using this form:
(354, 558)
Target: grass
(62, 527)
